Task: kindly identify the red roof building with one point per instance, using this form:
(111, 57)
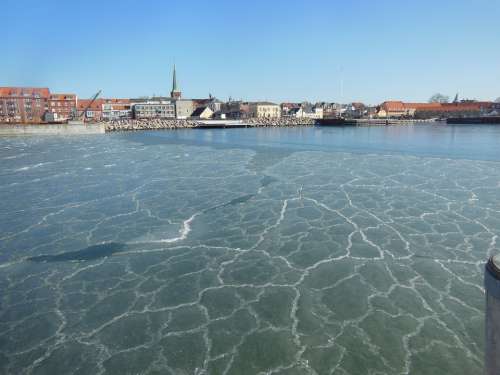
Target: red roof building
(93, 109)
(427, 110)
(63, 106)
(23, 104)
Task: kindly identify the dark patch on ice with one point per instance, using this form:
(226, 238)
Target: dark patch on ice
(232, 202)
(239, 200)
(267, 180)
(89, 253)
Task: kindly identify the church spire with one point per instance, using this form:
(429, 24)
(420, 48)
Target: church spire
(175, 93)
(174, 81)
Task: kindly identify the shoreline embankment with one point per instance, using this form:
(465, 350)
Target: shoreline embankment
(160, 124)
(172, 124)
(51, 129)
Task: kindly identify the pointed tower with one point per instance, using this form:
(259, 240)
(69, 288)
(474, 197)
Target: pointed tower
(175, 93)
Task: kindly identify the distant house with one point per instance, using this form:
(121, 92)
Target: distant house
(356, 110)
(395, 109)
(307, 111)
(213, 103)
(202, 113)
(236, 109)
(289, 109)
(264, 110)
(330, 109)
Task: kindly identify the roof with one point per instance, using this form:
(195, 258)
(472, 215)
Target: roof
(358, 105)
(399, 106)
(198, 111)
(263, 103)
(117, 101)
(96, 105)
(62, 96)
(25, 91)
(290, 105)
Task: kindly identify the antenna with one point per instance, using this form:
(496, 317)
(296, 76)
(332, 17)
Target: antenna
(341, 84)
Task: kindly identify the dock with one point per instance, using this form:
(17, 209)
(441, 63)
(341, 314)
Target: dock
(222, 124)
(474, 120)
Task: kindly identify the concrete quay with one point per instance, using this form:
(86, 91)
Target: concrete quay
(492, 326)
(51, 129)
(375, 122)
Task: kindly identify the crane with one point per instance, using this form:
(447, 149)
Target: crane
(83, 115)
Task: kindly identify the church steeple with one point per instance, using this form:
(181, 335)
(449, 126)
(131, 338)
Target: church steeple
(175, 93)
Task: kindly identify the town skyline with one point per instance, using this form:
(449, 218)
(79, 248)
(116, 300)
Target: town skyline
(318, 50)
(175, 91)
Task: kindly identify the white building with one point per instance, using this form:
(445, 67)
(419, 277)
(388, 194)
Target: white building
(116, 111)
(308, 112)
(264, 110)
(202, 113)
(183, 108)
(154, 109)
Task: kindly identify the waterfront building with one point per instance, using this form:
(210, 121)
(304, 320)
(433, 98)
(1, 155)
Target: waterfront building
(90, 110)
(183, 108)
(330, 109)
(264, 110)
(62, 106)
(213, 103)
(236, 109)
(307, 110)
(394, 108)
(356, 110)
(202, 113)
(116, 109)
(163, 109)
(175, 93)
(399, 109)
(289, 109)
(23, 104)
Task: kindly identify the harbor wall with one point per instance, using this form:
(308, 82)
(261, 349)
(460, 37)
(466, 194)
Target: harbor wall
(51, 129)
(492, 289)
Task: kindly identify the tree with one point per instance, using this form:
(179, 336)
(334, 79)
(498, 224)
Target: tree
(439, 98)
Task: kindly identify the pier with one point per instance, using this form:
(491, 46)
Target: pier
(474, 120)
(492, 288)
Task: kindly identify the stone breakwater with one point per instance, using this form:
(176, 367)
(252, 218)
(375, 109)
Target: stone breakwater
(158, 124)
(153, 124)
(280, 122)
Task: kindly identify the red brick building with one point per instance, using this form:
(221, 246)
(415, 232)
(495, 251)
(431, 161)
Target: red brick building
(399, 109)
(94, 112)
(23, 104)
(63, 106)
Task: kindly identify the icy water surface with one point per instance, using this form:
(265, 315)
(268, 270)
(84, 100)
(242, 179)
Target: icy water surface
(271, 251)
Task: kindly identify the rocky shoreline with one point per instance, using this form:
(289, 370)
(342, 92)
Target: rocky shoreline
(160, 124)
(279, 122)
(153, 124)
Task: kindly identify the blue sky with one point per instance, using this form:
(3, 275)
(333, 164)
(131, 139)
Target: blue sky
(277, 50)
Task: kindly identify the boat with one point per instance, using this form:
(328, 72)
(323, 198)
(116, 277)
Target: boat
(335, 121)
(474, 120)
(220, 124)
